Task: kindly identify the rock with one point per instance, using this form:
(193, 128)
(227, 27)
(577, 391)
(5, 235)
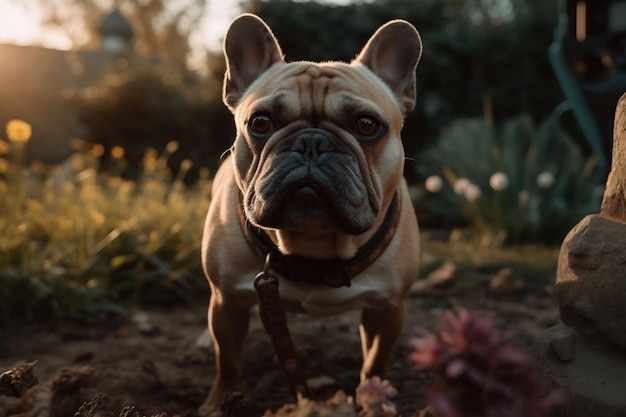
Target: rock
(322, 381)
(614, 201)
(591, 284)
(15, 382)
(591, 279)
(563, 343)
(588, 357)
(145, 324)
(594, 380)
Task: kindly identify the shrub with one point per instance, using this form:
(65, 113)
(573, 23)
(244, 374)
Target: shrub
(141, 111)
(148, 110)
(515, 183)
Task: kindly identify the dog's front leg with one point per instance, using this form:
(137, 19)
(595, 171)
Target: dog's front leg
(380, 328)
(228, 322)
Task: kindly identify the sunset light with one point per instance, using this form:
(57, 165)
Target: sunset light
(21, 25)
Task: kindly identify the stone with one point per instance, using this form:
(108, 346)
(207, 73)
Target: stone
(614, 201)
(586, 354)
(591, 279)
(563, 343)
(321, 382)
(594, 381)
(144, 323)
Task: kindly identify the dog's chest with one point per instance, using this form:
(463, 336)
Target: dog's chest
(365, 291)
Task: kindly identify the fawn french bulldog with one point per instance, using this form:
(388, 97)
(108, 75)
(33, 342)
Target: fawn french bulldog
(315, 178)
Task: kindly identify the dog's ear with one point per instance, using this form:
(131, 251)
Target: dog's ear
(392, 53)
(250, 49)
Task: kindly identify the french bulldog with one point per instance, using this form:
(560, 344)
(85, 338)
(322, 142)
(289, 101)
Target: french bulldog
(315, 178)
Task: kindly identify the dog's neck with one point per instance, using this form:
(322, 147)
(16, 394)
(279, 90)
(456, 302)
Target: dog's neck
(321, 245)
(333, 271)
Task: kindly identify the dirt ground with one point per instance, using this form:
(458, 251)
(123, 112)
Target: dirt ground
(151, 360)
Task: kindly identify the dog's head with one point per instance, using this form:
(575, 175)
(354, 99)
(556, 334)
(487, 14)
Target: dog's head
(318, 148)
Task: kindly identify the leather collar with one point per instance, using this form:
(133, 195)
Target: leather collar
(332, 272)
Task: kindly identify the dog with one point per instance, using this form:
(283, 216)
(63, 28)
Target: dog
(315, 178)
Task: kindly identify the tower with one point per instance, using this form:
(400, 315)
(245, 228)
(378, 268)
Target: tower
(116, 33)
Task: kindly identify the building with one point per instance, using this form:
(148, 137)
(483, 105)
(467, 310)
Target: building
(40, 85)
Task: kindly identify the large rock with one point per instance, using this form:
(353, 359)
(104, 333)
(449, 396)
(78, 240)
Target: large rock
(592, 373)
(591, 279)
(587, 354)
(591, 275)
(614, 201)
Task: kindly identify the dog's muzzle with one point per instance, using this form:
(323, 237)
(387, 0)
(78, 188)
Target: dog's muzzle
(311, 179)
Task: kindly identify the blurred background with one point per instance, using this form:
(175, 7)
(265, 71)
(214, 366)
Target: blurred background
(123, 124)
(65, 62)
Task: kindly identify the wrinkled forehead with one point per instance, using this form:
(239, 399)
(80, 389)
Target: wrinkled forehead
(322, 89)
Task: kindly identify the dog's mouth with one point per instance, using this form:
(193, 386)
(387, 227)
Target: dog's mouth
(308, 205)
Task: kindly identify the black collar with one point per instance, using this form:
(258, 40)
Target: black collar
(332, 272)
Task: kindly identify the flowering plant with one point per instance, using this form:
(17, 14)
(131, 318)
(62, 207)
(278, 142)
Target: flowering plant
(18, 130)
(516, 181)
(479, 371)
(374, 395)
(79, 241)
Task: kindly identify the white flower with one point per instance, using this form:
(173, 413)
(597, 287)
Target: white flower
(434, 184)
(472, 192)
(545, 180)
(499, 181)
(461, 185)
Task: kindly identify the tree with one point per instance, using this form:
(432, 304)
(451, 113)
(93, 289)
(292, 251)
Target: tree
(475, 52)
(162, 28)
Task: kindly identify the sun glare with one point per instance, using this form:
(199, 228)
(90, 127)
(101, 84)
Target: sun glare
(21, 25)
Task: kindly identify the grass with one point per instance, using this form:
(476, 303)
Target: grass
(535, 261)
(78, 241)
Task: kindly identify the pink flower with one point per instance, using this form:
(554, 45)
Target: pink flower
(479, 371)
(375, 391)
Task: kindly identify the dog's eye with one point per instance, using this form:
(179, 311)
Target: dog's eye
(366, 126)
(260, 124)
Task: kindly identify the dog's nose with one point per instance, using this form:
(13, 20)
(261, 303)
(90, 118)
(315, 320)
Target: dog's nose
(312, 143)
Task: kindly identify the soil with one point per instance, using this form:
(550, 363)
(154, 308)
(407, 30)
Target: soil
(151, 360)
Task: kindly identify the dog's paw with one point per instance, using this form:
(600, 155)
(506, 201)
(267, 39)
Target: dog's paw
(207, 410)
(234, 404)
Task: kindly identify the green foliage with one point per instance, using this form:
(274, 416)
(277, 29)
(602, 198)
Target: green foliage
(141, 111)
(86, 242)
(149, 109)
(515, 183)
(472, 51)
